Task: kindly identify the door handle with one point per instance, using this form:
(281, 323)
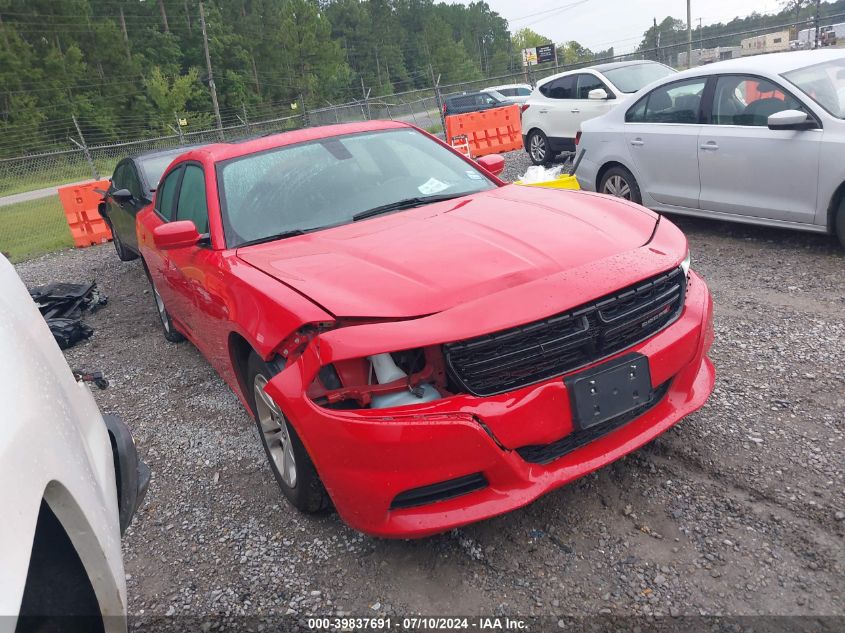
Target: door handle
(711, 145)
(575, 111)
(638, 142)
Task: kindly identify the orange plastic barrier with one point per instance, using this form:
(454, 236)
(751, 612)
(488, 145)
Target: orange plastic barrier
(488, 131)
(80, 204)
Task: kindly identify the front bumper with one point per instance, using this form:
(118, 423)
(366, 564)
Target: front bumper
(368, 457)
(131, 475)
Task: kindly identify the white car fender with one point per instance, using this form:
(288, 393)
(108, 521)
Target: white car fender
(54, 445)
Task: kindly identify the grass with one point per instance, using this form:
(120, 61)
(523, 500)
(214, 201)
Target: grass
(32, 228)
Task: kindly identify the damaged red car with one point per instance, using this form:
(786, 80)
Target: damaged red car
(421, 344)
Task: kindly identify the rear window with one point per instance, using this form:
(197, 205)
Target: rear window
(637, 76)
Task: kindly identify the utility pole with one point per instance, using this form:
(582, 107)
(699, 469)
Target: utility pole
(211, 86)
(125, 34)
(163, 16)
(689, 34)
(817, 21)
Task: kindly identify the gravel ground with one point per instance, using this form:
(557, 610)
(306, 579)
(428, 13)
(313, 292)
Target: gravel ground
(737, 510)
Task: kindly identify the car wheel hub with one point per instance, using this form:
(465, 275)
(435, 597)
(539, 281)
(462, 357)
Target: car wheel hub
(162, 313)
(538, 147)
(274, 428)
(616, 186)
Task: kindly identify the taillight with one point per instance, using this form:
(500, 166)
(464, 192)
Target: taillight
(523, 108)
(577, 138)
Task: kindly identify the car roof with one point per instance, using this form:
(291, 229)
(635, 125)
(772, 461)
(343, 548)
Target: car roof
(224, 151)
(774, 63)
(154, 153)
(508, 86)
(602, 68)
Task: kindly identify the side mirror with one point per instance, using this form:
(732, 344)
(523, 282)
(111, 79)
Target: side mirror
(791, 120)
(179, 234)
(598, 94)
(494, 163)
(121, 195)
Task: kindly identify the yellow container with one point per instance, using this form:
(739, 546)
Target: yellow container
(564, 181)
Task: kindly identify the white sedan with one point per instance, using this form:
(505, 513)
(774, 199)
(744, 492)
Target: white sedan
(70, 481)
(757, 140)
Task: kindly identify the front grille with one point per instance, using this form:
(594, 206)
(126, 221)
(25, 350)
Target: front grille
(546, 453)
(528, 354)
(439, 491)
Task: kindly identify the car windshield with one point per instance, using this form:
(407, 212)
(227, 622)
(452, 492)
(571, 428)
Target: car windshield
(632, 78)
(824, 84)
(329, 181)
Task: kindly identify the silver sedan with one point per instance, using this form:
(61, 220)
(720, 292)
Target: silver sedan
(757, 140)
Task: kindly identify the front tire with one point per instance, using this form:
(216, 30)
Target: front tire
(619, 182)
(291, 465)
(839, 223)
(538, 148)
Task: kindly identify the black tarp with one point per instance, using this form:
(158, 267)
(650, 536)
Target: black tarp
(62, 305)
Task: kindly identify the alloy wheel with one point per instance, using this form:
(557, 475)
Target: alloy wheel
(274, 429)
(537, 147)
(162, 313)
(617, 186)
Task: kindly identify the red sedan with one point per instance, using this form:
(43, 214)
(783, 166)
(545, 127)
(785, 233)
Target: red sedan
(421, 344)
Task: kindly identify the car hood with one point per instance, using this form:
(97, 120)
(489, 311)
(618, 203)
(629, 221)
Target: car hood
(429, 259)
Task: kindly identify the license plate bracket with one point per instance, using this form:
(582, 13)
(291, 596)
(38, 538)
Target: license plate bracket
(609, 390)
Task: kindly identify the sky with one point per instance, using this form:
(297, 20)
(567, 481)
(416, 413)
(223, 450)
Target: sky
(599, 24)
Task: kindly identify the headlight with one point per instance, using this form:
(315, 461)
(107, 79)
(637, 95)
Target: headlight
(409, 377)
(685, 265)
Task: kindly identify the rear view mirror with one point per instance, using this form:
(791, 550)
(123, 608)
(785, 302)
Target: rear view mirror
(494, 163)
(791, 120)
(179, 234)
(121, 195)
(598, 94)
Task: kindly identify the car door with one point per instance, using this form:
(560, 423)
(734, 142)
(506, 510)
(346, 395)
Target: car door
(661, 131)
(122, 213)
(186, 267)
(554, 111)
(131, 208)
(584, 108)
(117, 211)
(748, 169)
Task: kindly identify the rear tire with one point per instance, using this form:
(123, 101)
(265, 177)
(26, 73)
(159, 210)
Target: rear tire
(537, 146)
(289, 461)
(123, 253)
(620, 183)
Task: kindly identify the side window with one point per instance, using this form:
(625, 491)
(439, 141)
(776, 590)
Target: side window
(192, 203)
(563, 88)
(118, 179)
(132, 181)
(636, 114)
(165, 198)
(590, 82)
(677, 102)
(749, 101)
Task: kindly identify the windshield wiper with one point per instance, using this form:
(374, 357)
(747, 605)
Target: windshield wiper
(406, 204)
(278, 236)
